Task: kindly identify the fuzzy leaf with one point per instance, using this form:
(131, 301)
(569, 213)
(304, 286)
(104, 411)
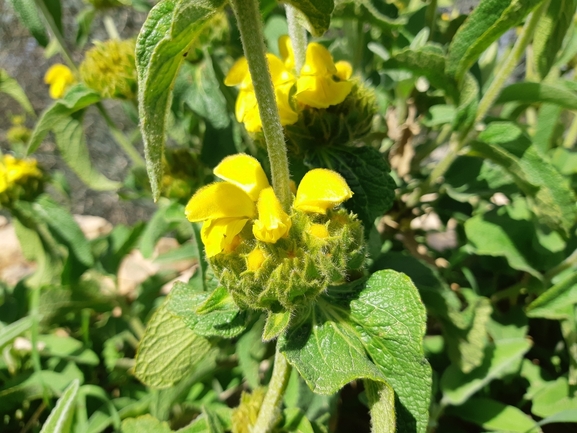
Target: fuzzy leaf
(370, 330)
(60, 419)
(168, 350)
(532, 93)
(11, 87)
(558, 302)
(550, 33)
(488, 21)
(317, 14)
(164, 40)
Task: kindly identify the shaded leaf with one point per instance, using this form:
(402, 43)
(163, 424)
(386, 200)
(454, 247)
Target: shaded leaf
(317, 14)
(60, 418)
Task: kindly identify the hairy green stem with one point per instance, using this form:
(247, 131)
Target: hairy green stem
(269, 413)
(298, 36)
(250, 26)
(120, 138)
(110, 27)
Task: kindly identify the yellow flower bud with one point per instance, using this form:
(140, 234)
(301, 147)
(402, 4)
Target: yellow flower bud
(319, 231)
(255, 259)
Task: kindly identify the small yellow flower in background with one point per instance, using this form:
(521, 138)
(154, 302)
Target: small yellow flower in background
(59, 77)
(321, 189)
(14, 171)
(246, 109)
(273, 223)
(323, 83)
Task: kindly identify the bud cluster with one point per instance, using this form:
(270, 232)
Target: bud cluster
(320, 250)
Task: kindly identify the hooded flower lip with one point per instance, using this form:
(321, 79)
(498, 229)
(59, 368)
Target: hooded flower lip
(273, 223)
(246, 108)
(321, 189)
(321, 82)
(59, 77)
(226, 207)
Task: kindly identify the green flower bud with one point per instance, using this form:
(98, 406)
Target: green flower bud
(110, 69)
(336, 125)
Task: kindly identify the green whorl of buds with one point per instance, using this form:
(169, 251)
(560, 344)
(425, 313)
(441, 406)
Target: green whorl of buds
(110, 69)
(320, 250)
(184, 173)
(336, 125)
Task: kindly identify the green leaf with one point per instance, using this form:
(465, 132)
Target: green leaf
(494, 415)
(209, 315)
(367, 174)
(468, 103)
(13, 330)
(203, 95)
(145, 424)
(427, 61)
(500, 359)
(532, 93)
(557, 302)
(11, 87)
(29, 16)
(554, 201)
(317, 14)
(62, 223)
(488, 21)
(67, 348)
(550, 32)
(60, 418)
(71, 142)
(77, 98)
(382, 406)
(294, 420)
(160, 223)
(169, 31)
(168, 350)
(569, 415)
(555, 397)
(275, 324)
(251, 350)
(370, 330)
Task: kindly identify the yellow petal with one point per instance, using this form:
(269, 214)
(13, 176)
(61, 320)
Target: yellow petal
(321, 92)
(285, 48)
(287, 115)
(273, 223)
(279, 73)
(319, 231)
(321, 189)
(219, 200)
(243, 171)
(344, 70)
(255, 259)
(318, 61)
(238, 74)
(246, 110)
(219, 234)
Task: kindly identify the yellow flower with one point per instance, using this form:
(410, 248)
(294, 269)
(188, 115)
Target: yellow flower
(255, 259)
(273, 223)
(226, 207)
(246, 108)
(59, 77)
(321, 189)
(287, 54)
(13, 171)
(323, 83)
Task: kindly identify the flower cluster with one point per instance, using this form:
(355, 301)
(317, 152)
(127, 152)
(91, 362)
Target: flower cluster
(19, 178)
(59, 77)
(320, 84)
(267, 258)
(110, 68)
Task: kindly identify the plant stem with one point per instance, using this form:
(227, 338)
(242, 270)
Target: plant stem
(110, 27)
(250, 27)
(120, 138)
(511, 61)
(269, 412)
(298, 36)
(571, 136)
(56, 33)
(505, 70)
